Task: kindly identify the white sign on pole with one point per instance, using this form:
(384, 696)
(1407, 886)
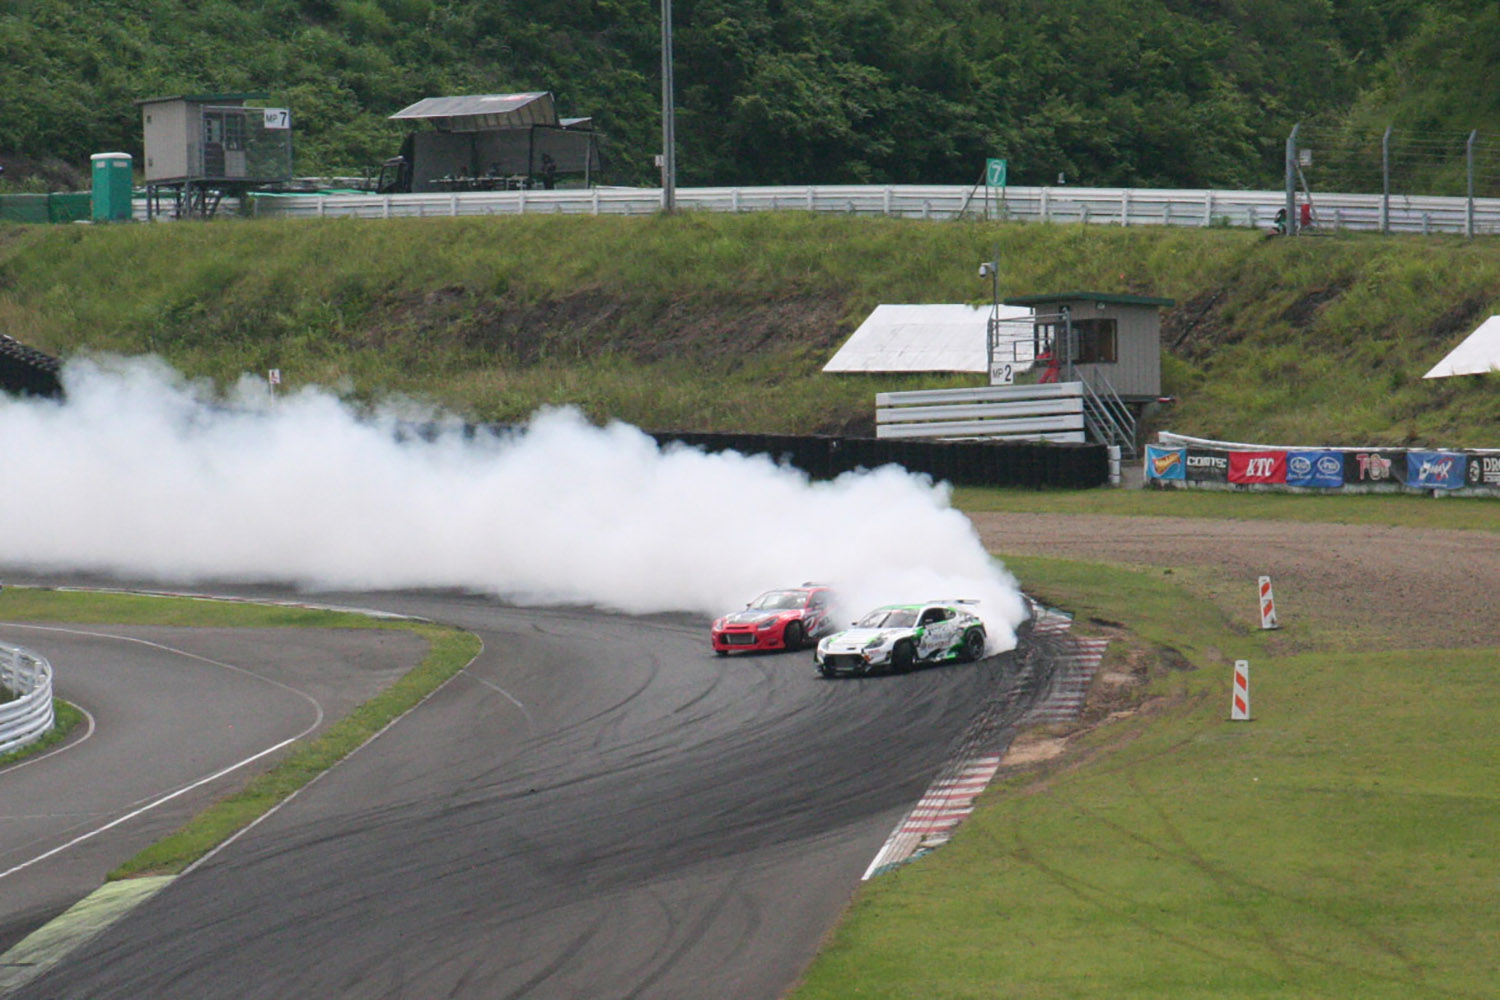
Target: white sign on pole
(274, 376)
(278, 117)
(1239, 704)
(1002, 373)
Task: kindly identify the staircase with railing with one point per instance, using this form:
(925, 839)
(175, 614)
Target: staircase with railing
(1106, 417)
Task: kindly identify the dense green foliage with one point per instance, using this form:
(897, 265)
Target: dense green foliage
(1151, 92)
(723, 322)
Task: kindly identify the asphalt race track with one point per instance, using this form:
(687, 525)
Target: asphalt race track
(597, 807)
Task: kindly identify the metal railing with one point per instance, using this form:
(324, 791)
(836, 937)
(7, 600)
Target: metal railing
(28, 677)
(1106, 416)
(1099, 206)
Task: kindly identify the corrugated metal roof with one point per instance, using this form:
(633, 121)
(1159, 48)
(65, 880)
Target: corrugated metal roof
(208, 98)
(1108, 297)
(481, 111)
(931, 338)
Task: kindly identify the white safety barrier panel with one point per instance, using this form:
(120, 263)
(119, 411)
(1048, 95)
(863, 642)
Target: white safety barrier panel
(1105, 206)
(1267, 605)
(28, 677)
(1239, 702)
(1052, 412)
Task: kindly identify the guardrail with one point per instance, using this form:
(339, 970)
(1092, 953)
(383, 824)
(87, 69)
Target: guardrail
(1100, 206)
(28, 677)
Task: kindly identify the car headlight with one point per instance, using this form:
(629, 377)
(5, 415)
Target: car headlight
(768, 624)
(718, 624)
(876, 642)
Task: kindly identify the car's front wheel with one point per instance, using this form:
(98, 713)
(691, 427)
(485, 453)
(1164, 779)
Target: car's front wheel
(792, 636)
(902, 657)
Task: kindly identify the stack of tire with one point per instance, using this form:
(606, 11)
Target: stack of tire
(28, 371)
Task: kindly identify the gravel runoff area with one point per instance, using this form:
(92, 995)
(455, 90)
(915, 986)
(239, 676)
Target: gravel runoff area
(1367, 588)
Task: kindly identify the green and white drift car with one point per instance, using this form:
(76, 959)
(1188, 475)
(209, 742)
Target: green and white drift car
(900, 636)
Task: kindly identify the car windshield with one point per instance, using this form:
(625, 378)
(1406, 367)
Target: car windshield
(777, 600)
(889, 618)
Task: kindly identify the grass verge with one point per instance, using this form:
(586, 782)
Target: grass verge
(1341, 845)
(64, 718)
(449, 650)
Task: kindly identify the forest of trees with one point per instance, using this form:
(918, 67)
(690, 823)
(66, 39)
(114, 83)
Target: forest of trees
(1181, 93)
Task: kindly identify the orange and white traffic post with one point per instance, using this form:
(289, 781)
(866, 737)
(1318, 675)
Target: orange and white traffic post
(1239, 703)
(1267, 605)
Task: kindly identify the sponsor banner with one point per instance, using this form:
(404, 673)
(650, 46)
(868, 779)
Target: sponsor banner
(1324, 469)
(1482, 471)
(1247, 467)
(1374, 468)
(1204, 466)
(1434, 470)
(1165, 463)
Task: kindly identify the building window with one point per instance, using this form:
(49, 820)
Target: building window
(1097, 342)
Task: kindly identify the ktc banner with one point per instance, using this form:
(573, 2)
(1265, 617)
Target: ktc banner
(1323, 469)
(1164, 463)
(1482, 471)
(1247, 467)
(1207, 466)
(1434, 470)
(1374, 468)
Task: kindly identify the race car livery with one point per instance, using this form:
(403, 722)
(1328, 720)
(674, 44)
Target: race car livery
(777, 619)
(900, 636)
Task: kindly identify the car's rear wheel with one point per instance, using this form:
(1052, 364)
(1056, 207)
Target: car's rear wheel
(792, 636)
(902, 657)
(973, 647)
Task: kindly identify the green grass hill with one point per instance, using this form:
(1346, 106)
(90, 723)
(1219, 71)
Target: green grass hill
(723, 322)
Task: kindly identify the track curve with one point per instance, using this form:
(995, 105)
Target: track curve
(597, 807)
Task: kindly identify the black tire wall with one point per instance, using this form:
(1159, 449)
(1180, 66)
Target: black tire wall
(1026, 465)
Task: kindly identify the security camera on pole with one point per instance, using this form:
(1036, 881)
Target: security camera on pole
(1000, 373)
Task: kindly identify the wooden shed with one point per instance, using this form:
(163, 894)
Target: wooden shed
(1115, 342)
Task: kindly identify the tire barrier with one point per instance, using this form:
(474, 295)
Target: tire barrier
(1028, 465)
(26, 677)
(27, 370)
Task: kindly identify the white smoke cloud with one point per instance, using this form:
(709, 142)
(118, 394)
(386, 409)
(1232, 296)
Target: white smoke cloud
(141, 472)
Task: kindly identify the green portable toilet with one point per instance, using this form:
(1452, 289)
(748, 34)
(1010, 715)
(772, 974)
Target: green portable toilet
(113, 187)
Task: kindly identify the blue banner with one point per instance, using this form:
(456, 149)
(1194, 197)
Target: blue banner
(1323, 469)
(1166, 463)
(1434, 470)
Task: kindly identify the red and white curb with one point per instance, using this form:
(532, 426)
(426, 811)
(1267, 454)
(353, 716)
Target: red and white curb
(1070, 687)
(950, 798)
(930, 824)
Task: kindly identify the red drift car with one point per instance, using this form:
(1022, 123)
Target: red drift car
(777, 619)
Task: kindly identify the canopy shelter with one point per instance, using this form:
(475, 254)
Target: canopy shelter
(490, 141)
(929, 338)
(1477, 355)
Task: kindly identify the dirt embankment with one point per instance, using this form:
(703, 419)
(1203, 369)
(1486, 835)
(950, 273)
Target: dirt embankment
(1376, 587)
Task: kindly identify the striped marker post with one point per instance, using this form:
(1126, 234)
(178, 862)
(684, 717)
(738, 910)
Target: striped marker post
(1267, 605)
(1239, 703)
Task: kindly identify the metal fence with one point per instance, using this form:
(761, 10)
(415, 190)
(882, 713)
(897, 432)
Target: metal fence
(1099, 206)
(28, 677)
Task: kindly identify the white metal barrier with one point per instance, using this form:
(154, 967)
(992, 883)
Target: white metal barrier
(1102, 206)
(28, 677)
(1052, 412)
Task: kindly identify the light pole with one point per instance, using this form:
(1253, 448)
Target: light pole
(991, 269)
(668, 115)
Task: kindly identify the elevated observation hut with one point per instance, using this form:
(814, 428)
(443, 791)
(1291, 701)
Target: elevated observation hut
(487, 142)
(201, 147)
(1110, 341)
